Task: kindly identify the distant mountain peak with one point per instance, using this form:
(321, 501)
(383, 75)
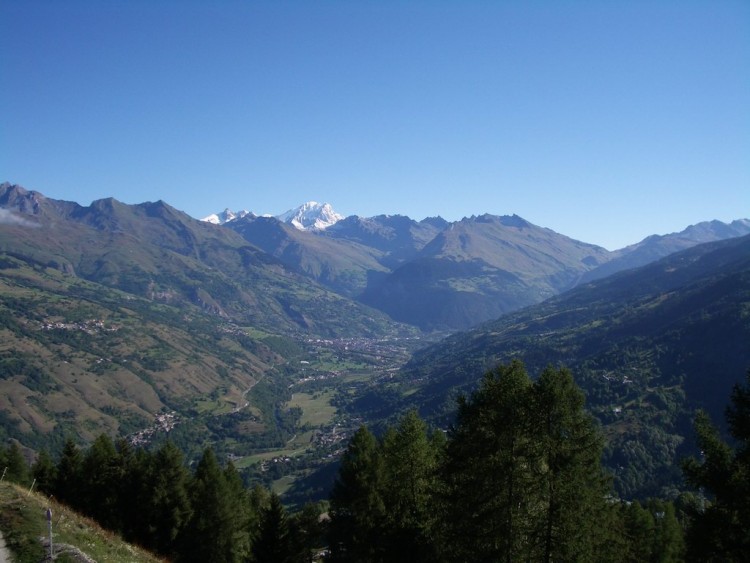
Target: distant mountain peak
(226, 216)
(311, 216)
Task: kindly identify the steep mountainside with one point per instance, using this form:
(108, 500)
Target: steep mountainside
(451, 276)
(112, 315)
(152, 250)
(480, 268)
(345, 267)
(398, 237)
(349, 256)
(648, 345)
(79, 359)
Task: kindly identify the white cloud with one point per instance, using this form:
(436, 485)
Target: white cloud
(7, 217)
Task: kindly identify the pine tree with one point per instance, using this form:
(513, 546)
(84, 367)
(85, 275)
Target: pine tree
(274, 543)
(240, 508)
(521, 477)
(669, 538)
(487, 494)
(720, 531)
(168, 505)
(69, 479)
(409, 461)
(357, 510)
(306, 532)
(44, 472)
(101, 480)
(573, 491)
(640, 532)
(17, 468)
(136, 496)
(209, 534)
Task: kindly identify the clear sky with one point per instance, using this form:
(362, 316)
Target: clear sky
(605, 121)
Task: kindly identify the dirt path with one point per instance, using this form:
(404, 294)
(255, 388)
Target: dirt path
(4, 555)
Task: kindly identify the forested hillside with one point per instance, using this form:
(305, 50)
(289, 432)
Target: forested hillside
(648, 347)
(517, 476)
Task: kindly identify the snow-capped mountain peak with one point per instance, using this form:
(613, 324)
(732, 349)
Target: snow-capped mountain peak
(311, 216)
(225, 216)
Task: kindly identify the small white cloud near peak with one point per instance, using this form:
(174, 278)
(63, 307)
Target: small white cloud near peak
(7, 217)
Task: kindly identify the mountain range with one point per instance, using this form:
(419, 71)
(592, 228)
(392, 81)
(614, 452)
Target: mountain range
(302, 269)
(448, 276)
(114, 314)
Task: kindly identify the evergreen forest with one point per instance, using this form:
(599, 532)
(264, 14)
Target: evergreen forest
(517, 477)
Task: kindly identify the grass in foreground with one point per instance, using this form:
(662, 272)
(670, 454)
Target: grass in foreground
(23, 522)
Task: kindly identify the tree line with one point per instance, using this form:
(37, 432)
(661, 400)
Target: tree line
(153, 500)
(518, 477)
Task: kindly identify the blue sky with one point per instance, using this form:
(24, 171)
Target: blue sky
(605, 121)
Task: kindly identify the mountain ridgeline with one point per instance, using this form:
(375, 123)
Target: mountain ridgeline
(263, 335)
(155, 251)
(114, 315)
(442, 276)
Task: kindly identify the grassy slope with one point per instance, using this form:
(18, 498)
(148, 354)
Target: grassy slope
(23, 524)
(88, 359)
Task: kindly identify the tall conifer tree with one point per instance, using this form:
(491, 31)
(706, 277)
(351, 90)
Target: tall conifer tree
(487, 490)
(357, 509)
(68, 481)
(409, 460)
(168, 505)
(573, 487)
(209, 533)
(274, 543)
(720, 531)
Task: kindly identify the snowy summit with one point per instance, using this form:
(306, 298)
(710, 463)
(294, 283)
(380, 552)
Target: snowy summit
(311, 216)
(225, 216)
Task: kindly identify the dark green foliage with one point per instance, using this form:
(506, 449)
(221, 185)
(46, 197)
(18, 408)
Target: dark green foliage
(409, 465)
(720, 526)
(650, 532)
(69, 480)
(166, 500)
(102, 472)
(488, 497)
(210, 533)
(519, 478)
(669, 541)
(522, 476)
(357, 509)
(273, 543)
(567, 450)
(44, 472)
(240, 508)
(14, 464)
(307, 531)
(639, 529)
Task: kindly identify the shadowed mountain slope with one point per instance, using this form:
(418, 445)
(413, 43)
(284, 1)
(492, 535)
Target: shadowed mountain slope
(480, 268)
(658, 246)
(648, 346)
